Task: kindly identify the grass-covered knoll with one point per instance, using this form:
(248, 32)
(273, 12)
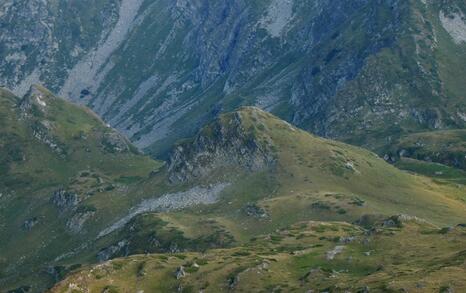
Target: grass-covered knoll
(307, 178)
(63, 171)
(46, 140)
(388, 255)
(323, 179)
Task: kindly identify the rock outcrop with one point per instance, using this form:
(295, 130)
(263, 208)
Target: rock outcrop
(76, 222)
(30, 223)
(64, 199)
(180, 273)
(225, 143)
(114, 142)
(108, 252)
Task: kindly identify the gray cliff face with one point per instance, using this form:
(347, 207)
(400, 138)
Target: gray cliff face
(158, 70)
(225, 143)
(41, 40)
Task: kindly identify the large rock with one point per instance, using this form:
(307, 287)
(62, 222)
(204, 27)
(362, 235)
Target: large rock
(114, 142)
(180, 273)
(64, 199)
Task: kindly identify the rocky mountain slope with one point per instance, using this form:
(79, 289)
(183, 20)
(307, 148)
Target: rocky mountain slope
(261, 220)
(74, 192)
(362, 71)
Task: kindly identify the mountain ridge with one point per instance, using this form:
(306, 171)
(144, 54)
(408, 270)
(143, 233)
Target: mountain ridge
(306, 145)
(342, 70)
(76, 193)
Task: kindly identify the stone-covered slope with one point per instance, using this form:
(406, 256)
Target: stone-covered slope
(362, 71)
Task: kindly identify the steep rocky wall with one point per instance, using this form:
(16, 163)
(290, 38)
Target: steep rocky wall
(158, 70)
(41, 40)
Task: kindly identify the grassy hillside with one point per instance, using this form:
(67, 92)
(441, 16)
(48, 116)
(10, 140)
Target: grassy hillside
(310, 170)
(49, 140)
(246, 174)
(394, 255)
(55, 157)
(256, 220)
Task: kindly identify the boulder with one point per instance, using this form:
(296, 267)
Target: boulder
(180, 273)
(63, 199)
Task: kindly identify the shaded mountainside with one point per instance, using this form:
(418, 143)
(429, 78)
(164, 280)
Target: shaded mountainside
(445, 147)
(41, 39)
(77, 193)
(361, 71)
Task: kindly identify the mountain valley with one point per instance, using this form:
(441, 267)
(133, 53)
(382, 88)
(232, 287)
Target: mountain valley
(232, 146)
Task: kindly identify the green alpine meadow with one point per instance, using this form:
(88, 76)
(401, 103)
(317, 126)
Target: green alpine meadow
(202, 146)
